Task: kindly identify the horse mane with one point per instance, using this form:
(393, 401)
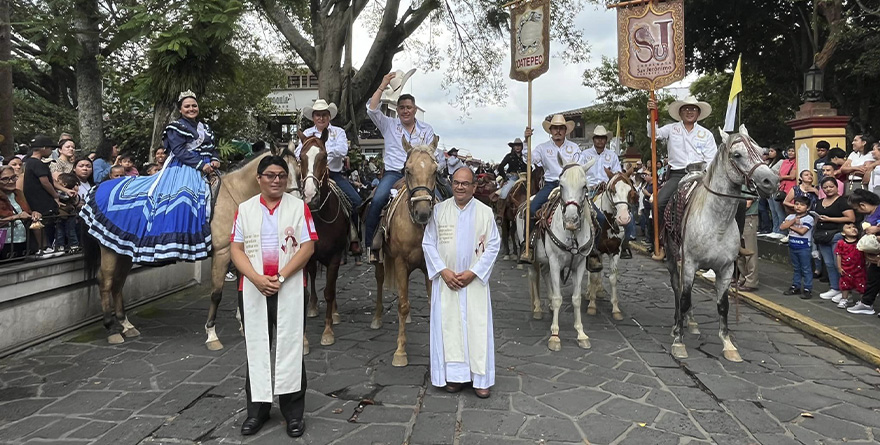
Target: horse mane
(249, 158)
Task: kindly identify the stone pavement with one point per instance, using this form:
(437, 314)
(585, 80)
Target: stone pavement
(166, 388)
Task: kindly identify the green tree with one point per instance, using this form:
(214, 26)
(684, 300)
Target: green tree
(7, 142)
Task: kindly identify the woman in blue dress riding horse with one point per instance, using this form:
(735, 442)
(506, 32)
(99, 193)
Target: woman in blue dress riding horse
(165, 217)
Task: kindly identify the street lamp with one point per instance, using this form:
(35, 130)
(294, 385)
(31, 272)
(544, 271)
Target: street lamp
(813, 84)
(630, 138)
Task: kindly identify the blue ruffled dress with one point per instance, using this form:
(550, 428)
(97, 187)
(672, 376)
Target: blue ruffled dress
(161, 218)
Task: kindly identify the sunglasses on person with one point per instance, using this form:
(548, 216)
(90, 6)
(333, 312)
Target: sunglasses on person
(271, 177)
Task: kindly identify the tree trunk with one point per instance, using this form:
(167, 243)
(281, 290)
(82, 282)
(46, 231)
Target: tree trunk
(89, 89)
(7, 143)
(161, 117)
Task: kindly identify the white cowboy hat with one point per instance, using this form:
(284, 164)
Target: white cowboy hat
(395, 86)
(675, 107)
(600, 132)
(558, 120)
(320, 105)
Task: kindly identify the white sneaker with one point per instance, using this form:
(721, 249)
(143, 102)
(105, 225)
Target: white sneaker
(775, 235)
(836, 298)
(709, 274)
(783, 240)
(830, 295)
(861, 308)
(230, 276)
(48, 253)
(842, 304)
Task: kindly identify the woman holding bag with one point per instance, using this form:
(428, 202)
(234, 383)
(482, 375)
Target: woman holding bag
(833, 213)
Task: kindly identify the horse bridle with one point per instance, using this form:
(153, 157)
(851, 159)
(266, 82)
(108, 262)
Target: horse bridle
(609, 188)
(410, 190)
(746, 176)
(309, 175)
(579, 206)
(285, 154)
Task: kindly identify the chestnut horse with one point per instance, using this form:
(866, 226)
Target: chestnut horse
(331, 224)
(507, 209)
(402, 251)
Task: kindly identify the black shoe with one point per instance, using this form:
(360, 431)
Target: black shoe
(252, 425)
(626, 254)
(807, 294)
(794, 290)
(296, 427)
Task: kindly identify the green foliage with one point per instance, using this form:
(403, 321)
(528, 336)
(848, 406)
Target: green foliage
(35, 115)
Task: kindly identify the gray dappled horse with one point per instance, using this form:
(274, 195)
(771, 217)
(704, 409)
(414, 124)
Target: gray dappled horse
(709, 237)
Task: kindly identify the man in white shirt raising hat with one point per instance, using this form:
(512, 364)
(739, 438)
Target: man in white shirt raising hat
(545, 155)
(690, 147)
(321, 113)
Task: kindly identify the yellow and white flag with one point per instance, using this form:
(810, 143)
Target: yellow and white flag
(733, 100)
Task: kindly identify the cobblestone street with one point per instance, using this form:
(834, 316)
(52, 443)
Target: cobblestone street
(166, 387)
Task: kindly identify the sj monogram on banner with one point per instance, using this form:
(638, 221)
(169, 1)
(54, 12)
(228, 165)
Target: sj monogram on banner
(650, 44)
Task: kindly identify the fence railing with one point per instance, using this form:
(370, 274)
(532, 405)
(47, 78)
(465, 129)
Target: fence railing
(29, 248)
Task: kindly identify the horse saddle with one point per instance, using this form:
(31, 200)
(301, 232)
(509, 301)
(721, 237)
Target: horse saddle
(676, 212)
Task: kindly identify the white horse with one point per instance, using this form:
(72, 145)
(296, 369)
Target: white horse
(707, 235)
(565, 244)
(614, 202)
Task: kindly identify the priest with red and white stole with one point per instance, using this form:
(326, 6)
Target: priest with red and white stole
(272, 240)
(461, 244)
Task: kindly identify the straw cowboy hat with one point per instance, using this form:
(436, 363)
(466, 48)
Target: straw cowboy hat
(558, 120)
(516, 141)
(395, 86)
(320, 105)
(675, 107)
(600, 132)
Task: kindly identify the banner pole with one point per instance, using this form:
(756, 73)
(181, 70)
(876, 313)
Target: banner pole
(655, 209)
(529, 172)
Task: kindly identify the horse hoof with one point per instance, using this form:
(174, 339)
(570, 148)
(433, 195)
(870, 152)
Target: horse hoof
(591, 311)
(408, 319)
(313, 311)
(131, 332)
(519, 267)
(506, 258)
(214, 345)
(376, 324)
(399, 360)
(115, 339)
(327, 339)
(679, 351)
(732, 355)
(241, 331)
(693, 330)
(305, 347)
(537, 315)
(554, 344)
(617, 316)
(585, 343)
(336, 318)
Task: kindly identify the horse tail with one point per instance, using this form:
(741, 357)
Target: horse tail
(91, 254)
(390, 276)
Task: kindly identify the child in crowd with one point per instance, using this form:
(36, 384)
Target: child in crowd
(800, 225)
(117, 171)
(151, 169)
(65, 228)
(127, 162)
(851, 264)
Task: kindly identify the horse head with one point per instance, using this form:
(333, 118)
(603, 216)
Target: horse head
(288, 153)
(573, 190)
(745, 165)
(620, 194)
(420, 174)
(313, 167)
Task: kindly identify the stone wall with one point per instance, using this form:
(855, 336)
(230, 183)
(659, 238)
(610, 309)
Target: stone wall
(40, 299)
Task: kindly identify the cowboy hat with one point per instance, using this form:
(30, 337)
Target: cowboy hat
(600, 132)
(453, 150)
(516, 141)
(675, 107)
(320, 105)
(395, 86)
(558, 120)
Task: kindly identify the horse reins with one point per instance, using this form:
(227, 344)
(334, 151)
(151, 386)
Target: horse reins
(574, 250)
(414, 199)
(747, 176)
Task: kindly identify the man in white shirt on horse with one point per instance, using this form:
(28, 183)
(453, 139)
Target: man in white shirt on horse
(606, 166)
(404, 125)
(321, 113)
(690, 147)
(545, 155)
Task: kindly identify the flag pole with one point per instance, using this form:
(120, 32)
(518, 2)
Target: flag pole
(655, 209)
(529, 171)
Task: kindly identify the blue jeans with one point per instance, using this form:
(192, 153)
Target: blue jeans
(380, 198)
(778, 214)
(802, 267)
(827, 252)
(347, 188)
(541, 197)
(65, 233)
(765, 220)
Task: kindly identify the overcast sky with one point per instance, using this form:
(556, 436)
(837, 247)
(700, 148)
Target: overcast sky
(486, 132)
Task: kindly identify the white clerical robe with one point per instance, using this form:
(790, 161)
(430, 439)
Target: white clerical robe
(477, 243)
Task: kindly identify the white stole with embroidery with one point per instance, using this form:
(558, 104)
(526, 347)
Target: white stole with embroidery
(289, 324)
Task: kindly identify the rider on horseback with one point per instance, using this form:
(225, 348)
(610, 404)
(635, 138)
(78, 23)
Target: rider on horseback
(545, 155)
(515, 165)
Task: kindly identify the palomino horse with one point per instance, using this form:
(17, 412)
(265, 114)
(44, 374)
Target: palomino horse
(112, 270)
(704, 235)
(237, 186)
(403, 249)
(614, 202)
(565, 243)
(507, 208)
(331, 223)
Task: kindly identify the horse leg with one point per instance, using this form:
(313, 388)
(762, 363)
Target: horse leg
(218, 278)
(380, 282)
(591, 291)
(535, 290)
(105, 286)
(693, 327)
(327, 337)
(683, 305)
(722, 287)
(312, 270)
(123, 268)
(612, 278)
(555, 303)
(582, 338)
(402, 275)
(505, 234)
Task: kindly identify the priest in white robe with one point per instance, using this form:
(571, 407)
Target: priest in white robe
(461, 244)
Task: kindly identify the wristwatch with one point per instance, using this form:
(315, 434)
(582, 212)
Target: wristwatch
(280, 278)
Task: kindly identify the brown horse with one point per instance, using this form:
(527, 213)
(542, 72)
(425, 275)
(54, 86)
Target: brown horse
(236, 186)
(112, 269)
(507, 209)
(402, 251)
(331, 223)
